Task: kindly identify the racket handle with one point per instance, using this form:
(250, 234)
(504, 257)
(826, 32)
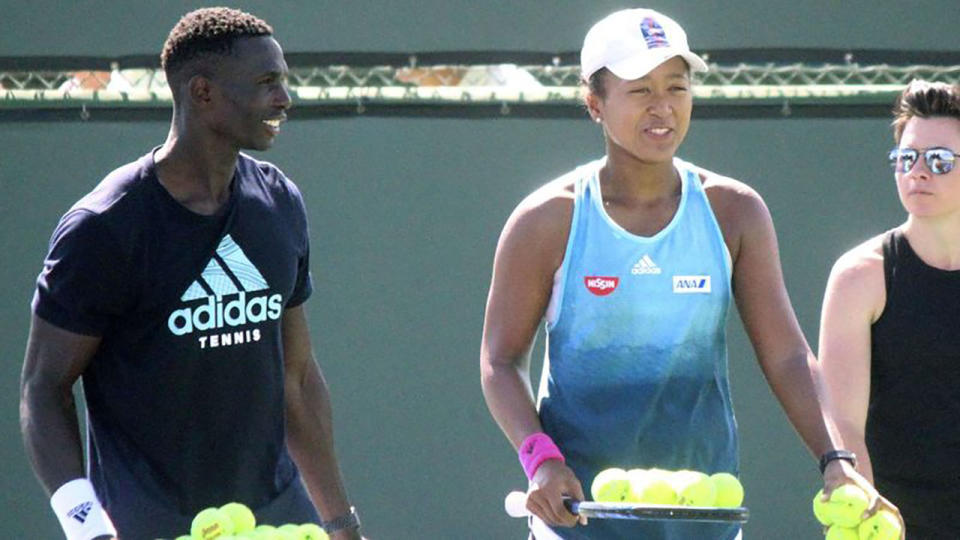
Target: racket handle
(516, 504)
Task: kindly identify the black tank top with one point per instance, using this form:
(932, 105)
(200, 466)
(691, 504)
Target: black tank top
(913, 420)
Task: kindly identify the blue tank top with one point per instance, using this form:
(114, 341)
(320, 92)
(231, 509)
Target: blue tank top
(635, 374)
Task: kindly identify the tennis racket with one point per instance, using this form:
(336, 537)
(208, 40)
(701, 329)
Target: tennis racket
(516, 506)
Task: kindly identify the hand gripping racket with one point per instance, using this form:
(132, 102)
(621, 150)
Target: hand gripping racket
(516, 506)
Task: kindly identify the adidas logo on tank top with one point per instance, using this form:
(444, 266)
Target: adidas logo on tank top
(645, 266)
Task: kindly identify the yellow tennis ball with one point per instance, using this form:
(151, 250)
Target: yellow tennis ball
(729, 490)
(659, 489)
(693, 488)
(241, 516)
(847, 504)
(837, 532)
(635, 478)
(652, 486)
(289, 531)
(883, 525)
(249, 535)
(312, 531)
(210, 523)
(267, 532)
(610, 485)
(821, 510)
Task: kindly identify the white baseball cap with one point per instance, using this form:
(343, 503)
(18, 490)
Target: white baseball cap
(632, 42)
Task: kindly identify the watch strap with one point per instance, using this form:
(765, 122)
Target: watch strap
(832, 455)
(346, 521)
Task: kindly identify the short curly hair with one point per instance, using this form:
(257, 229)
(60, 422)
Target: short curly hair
(925, 99)
(205, 32)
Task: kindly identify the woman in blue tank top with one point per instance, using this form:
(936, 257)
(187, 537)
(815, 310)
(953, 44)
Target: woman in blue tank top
(888, 334)
(632, 260)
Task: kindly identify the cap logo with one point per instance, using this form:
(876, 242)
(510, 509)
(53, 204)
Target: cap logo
(653, 33)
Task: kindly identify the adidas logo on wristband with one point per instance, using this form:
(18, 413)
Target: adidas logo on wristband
(81, 512)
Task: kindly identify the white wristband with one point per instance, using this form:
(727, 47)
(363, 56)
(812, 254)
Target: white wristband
(80, 513)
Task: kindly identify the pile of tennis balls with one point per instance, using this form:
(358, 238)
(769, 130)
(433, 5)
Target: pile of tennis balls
(235, 521)
(661, 486)
(843, 511)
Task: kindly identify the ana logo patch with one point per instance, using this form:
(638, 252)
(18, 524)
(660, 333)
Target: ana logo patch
(691, 284)
(601, 285)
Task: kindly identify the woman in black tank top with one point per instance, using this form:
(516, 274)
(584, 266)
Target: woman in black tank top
(890, 327)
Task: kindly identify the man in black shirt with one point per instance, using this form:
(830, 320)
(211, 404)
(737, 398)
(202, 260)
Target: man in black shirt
(174, 291)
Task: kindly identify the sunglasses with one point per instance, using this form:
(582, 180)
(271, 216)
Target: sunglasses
(938, 160)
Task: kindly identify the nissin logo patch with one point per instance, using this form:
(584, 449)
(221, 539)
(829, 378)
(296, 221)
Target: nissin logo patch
(691, 284)
(601, 285)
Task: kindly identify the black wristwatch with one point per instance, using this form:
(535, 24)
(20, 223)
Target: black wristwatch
(845, 455)
(347, 521)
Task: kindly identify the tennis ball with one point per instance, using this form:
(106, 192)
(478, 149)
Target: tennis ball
(652, 486)
(267, 532)
(842, 533)
(610, 485)
(729, 490)
(312, 531)
(635, 478)
(240, 515)
(821, 510)
(883, 525)
(693, 488)
(289, 531)
(847, 504)
(252, 535)
(210, 523)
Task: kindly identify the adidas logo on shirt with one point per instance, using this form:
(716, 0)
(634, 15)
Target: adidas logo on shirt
(229, 284)
(645, 266)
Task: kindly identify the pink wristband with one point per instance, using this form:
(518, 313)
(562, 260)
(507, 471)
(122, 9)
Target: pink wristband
(536, 449)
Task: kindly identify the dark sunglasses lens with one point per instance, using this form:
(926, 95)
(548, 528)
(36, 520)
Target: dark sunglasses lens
(905, 157)
(940, 160)
(893, 156)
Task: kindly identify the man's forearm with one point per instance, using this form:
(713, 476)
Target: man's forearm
(310, 440)
(51, 436)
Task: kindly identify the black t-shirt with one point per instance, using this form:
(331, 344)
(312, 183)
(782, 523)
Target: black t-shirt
(185, 392)
(912, 432)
